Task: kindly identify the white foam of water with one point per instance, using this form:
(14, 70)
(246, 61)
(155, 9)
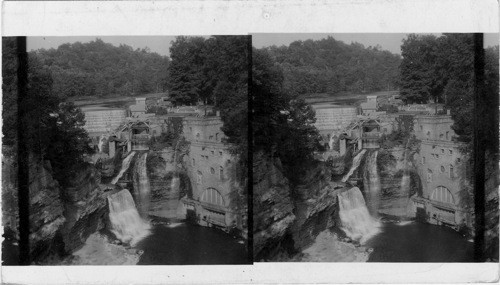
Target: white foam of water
(125, 166)
(126, 223)
(357, 222)
(404, 223)
(371, 182)
(355, 164)
(173, 225)
(142, 184)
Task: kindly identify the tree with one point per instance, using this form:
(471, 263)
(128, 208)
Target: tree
(186, 69)
(419, 72)
(54, 130)
(9, 91)
(282, 124)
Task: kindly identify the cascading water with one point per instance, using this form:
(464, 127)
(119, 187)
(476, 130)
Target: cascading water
(126, 223)
(101, 143)
(356, 220)
(405, 180)
(125, 166)
(371, 182)
(355, 164)
(141, 185)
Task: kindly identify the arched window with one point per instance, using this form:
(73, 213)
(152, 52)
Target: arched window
(217, 137)
(452, 174)
(442, 169)
(442, 194)
(212, 196)
(212, 170)
(428, 134)
(221, 173)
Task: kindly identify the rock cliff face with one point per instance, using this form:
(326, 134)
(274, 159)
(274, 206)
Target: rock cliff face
(60, 219)
(395, 191)
(46, 210)
(84, 207)
(491, 208)
(272, 207)
(316, 205)
(165, 192)
(287, 219)
(46, 207)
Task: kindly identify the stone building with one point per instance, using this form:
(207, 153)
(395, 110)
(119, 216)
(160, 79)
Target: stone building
(209, 165)
(370, 106)
(439, 163)
(139, 108)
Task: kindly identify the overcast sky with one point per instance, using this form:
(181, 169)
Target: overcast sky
(161, 44)
(391, 42)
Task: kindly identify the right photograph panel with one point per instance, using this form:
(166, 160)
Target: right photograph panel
(375, 147)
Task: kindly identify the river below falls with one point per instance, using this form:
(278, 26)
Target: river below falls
(184, 243)
(419, 242)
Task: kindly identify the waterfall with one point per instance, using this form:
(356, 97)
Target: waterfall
(142, 188)
(125, 165)
(101, 143)
(405, 181)
(355, 164)
(126, 223)
(371, 182)
(356, 221)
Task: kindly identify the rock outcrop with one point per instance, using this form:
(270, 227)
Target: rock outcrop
(396, 192)
(272, 207)
(316, 205)
(84, 207)
(286, 218)
(46, 206)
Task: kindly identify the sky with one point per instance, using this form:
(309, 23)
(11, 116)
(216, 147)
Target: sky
(161, 44)
(388, 41)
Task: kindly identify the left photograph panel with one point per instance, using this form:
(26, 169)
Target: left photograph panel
(125, 150)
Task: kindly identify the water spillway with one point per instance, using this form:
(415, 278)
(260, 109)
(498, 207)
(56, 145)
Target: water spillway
(371, 182)
(355, 164)
(126, 223)
(125, 166)
(142, 187)
(357, 222)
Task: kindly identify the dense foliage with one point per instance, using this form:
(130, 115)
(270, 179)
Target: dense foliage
(442, 69)
(54, 130)
(101, 69)
(331, 66)
(282, 125)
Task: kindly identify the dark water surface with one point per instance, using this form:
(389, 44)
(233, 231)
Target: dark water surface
(418, 242)
(191, 244)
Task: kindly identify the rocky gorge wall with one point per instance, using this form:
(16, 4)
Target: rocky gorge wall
(286, 218)
(395, 194)
(60, 219)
